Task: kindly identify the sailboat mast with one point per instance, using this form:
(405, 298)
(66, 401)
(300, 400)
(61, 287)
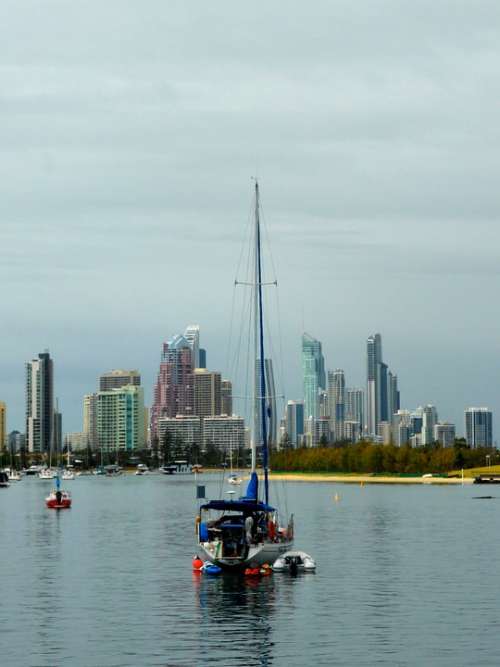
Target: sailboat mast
(261, 361)
(255, 397)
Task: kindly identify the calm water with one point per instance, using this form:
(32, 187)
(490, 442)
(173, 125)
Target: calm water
(406, 576)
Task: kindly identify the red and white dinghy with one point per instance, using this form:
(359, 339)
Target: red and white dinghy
(58, 500)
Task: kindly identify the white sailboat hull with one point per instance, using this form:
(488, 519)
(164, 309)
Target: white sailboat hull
(258, 554)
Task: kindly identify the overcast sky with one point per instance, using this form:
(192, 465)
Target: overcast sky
(129, 133)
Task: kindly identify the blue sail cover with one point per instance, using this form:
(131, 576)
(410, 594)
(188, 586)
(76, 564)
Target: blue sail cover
(252, 488)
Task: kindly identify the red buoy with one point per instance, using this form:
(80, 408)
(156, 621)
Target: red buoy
(197, 564)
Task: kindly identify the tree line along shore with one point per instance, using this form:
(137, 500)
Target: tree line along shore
(369, 458)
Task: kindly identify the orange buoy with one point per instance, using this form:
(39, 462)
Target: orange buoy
(197, 564)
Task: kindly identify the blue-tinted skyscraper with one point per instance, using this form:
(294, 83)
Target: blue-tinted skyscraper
(313, 373)
(479, 427)
(295, 421)
(382, 396)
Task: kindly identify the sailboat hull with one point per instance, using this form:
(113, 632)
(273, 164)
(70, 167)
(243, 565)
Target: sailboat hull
(258, 554)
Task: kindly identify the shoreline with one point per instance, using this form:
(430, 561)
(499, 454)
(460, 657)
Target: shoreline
(367, 479)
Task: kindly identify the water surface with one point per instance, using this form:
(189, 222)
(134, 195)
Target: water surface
(407, 575)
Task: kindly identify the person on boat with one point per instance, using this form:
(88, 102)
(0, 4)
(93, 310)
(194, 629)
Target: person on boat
(58, 496)
(249, 529)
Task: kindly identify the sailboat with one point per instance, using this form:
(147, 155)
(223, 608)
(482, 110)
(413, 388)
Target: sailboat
(58, 499)
(239, 533)
(233, 478)
(68, 473)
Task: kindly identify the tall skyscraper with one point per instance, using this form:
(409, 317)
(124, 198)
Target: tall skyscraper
(337, 400)
(40, 403)
(207, 393)
(401, 427)
(313, 373)
(382, 396)
(444, 433)
(119, 378)
(226, 389)
(90, 420)
(374, 360)
(173, 391)
(295, 421)
(393, 398)
(192, 335)
(202, 363)
(3, 426)
(479, 427)
(355, 407)
(272, 417)
(429, 420)
(120, 419)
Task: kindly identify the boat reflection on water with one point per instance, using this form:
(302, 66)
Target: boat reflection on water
(237, 611)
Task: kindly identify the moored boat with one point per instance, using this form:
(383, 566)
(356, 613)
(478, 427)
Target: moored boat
(247, 533)
(4, 480)
(487, 479)
(58, 500)
(47, 473)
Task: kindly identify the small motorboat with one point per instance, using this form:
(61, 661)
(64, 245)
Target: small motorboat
(58, 500)
(293, 562)
(112, 470)
(142, 469)
(47, 473)
(234, 479)
(4, 480)
(68, 474)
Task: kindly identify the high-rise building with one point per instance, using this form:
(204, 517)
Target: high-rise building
(90, 420)
(57, 439)
(225, 433)
(173, 392)
(393, 395)
(429, 420)
(272, 417)
(374, 361)
(202, 363)
(382, 387)
(207, 393)
(417, 419)
(295, 422)
(355, 406)
(337, 399)
(384, 432)
(444, 433)
(401, 427)
(120, 419)
(40, 403)
(352, 430)
(226, 390)
(16, 441)
(479, 427)
(183, 430)
(119, 378)
(3, 426)
(321, 431)
(75, 441)
(192, 335)
(313, 373)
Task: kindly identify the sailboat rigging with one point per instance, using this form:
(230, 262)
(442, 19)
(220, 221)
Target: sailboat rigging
(247, 532)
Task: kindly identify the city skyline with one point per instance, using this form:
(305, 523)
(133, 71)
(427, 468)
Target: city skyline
(120, 377)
